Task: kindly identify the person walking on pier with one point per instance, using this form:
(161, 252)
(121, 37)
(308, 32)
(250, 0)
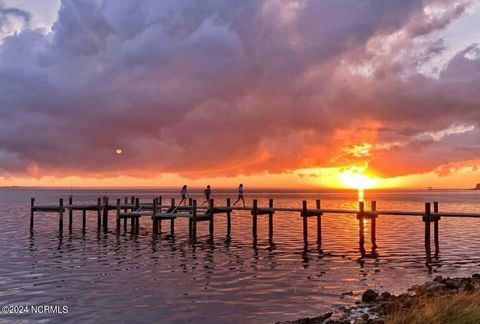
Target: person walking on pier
(184, 193)
(240, 195)
(207, 192)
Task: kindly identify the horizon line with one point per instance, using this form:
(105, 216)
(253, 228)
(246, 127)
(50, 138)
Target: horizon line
(230, 187)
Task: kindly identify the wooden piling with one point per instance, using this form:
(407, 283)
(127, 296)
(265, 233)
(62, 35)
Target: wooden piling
(373, 224)
(133, 201)
(305, 222)
(154, 219)
(70, 214)
(60, 215)
(172, 220)
(190, 221)
(194, 220)
(427, 219)
(118, 217)
(84, 220)
(212, 215)
(319, 223)
(32, 212)
(435, 227)
(254, 219)
(229, 219)
(159, 201)
(99, 214)
(270, 221)
(133, 220)
(105, 214)
(125, 210)
(361, 226)
(125, 202)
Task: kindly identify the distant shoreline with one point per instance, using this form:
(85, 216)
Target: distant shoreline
(279, 189)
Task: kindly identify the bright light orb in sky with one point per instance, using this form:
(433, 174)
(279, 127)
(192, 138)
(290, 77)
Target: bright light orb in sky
(118, 151)
(357, 180)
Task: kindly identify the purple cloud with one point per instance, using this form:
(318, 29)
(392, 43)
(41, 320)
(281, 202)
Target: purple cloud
(228, 87)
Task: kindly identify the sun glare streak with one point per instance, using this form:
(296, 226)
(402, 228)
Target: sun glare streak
(361, 195)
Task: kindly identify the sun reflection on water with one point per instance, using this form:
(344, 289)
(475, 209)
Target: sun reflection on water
(361, 195)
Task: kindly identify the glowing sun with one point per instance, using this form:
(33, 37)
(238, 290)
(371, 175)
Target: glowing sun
(357, 180)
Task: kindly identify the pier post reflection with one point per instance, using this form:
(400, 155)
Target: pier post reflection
(305, 257)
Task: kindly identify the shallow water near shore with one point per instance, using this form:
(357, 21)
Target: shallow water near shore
(138, 278)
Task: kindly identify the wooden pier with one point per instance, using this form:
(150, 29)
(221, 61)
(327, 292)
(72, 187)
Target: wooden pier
(134, 210)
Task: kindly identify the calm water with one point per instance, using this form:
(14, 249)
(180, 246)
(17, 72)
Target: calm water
(136, 278)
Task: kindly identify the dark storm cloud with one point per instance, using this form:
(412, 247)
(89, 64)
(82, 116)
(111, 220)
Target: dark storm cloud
(220, 87)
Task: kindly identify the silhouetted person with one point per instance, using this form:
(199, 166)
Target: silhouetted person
(240, 195)
(184, 193)
(207, 192)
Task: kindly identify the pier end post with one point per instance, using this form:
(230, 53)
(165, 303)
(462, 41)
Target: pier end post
(70, 214)
(32, 212)
(84, 221)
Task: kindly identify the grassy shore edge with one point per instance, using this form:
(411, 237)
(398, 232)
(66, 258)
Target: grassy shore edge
(456, 308)
(441, 301)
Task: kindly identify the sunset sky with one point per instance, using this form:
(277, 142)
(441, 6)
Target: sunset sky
(273, 93)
